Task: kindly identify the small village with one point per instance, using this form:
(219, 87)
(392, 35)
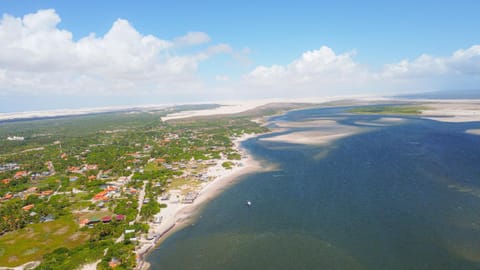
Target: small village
(111, 194)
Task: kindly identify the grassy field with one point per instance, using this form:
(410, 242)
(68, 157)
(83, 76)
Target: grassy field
(33, 241)
(414, 110)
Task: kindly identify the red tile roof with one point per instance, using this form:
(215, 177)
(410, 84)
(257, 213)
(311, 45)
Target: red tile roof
(28, 207)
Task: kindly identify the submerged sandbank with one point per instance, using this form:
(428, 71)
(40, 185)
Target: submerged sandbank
(309, 137)
(473, 131)
(319, 132)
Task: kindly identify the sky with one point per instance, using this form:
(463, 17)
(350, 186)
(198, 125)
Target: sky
(72, 54)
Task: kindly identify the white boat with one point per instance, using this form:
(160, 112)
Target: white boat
(249, 203)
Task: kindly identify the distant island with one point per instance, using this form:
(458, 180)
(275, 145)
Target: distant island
(415, 110)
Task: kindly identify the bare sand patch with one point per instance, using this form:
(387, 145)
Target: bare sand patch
(373, 123)
(453, 111)
(225, 108)
(381, 122)
(306, 124)
(390, 119)
(473, 131)
(75, 236)
(61, 231)
(310, 137)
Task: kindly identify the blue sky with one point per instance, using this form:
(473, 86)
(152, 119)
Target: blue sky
(274, 35)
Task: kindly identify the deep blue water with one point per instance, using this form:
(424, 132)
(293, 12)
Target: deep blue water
(402, 196)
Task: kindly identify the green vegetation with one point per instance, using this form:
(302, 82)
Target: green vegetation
(227, 165)
(65, 258)
(86, 170)
(394, 109)
(35, 240)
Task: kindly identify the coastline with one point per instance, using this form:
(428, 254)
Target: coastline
(177, 215)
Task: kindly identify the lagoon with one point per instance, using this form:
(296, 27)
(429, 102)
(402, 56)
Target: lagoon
(393, 195)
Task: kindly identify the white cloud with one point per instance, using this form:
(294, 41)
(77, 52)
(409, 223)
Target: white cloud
(222, 78)
(192, 38)
(38, 57)
(323, 72)
(316, 72)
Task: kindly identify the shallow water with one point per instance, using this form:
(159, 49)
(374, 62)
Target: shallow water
(401, 196)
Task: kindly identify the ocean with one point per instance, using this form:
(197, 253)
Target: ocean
(403, 195)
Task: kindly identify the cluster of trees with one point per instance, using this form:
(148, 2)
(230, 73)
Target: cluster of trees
(152, 207)
(127, 207)
(14, 186)
(102, 238)
(13, 217)
(64, 258)
(105, 140)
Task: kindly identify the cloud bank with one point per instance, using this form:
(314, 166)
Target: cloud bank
(39, 58)
(323, 72)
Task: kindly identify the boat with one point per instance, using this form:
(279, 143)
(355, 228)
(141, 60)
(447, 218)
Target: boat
(249, 203)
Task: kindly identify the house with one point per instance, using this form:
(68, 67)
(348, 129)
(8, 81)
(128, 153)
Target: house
(83, 222)
(28, 207)
(190, 197)
(20, 174)
(5, 167)
(131, 191)
(100, 196)
(90, 167)
(6, 181)
(15, 138)
(119, 217)
(122, 179)
(111, 188)
(114, 262)
(147, 148)
(160, 160)
(46, 192)
(74, 169)
(47, 218)
(92, 177)
(31, 190)
(158, 219)
(93, 221)
(106, 219)
(8, 196)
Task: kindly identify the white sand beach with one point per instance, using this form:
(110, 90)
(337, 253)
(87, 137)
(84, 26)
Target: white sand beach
(177, 214)
(454, 111)
(224, 109)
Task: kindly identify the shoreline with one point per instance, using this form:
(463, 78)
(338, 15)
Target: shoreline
(177, 215)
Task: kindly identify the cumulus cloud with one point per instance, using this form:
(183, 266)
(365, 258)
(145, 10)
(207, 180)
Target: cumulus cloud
(192, 38)
(323, 72)
(314, 72)
(38, 57)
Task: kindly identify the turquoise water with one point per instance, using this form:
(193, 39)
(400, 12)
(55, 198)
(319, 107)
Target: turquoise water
(401, 196)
